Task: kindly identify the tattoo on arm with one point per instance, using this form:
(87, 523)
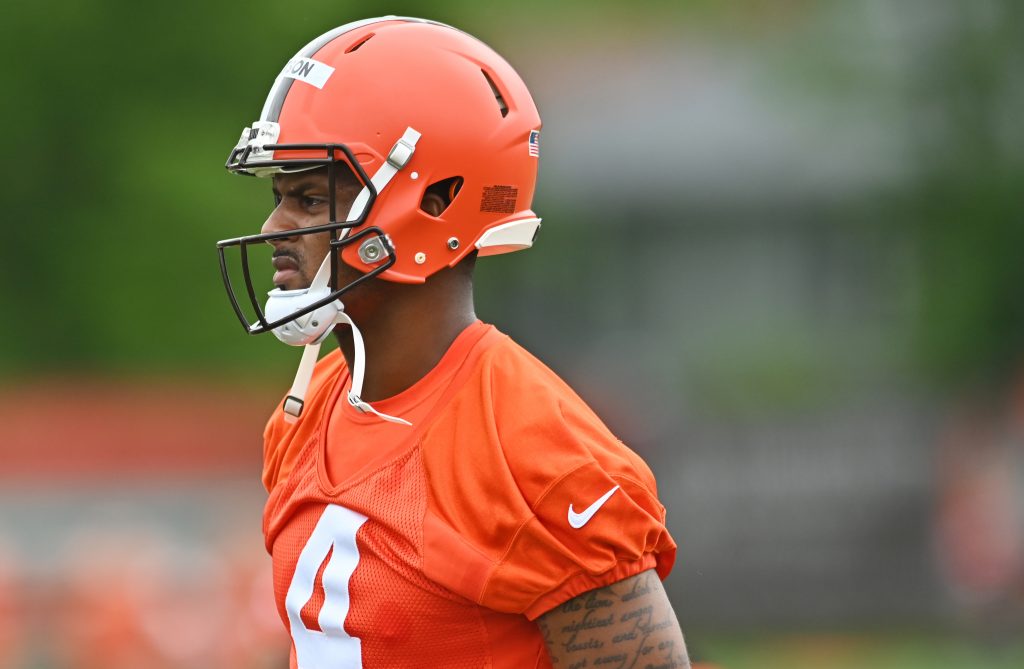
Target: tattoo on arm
(627, 625)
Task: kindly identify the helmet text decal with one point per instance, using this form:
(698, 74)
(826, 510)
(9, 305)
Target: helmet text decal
(311, 71)
(499, 199)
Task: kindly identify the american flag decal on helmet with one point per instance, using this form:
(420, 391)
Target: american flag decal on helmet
(535, 143)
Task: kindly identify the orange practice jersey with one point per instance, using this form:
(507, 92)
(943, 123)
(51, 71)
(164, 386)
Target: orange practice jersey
(439, 544)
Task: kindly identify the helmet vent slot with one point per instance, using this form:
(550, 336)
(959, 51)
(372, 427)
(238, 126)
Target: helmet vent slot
(359, 43)
(497, 94)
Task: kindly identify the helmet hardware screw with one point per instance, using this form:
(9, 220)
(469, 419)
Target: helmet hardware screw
(420, 258)
(453, 243)
(316, 323)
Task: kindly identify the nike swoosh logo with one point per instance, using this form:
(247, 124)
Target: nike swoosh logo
(578, 520)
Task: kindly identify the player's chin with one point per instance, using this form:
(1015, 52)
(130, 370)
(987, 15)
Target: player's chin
(297, 282)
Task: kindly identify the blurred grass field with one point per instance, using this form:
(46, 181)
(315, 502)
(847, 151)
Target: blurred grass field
(858, 651)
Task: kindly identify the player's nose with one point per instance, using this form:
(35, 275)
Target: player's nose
(278, 221)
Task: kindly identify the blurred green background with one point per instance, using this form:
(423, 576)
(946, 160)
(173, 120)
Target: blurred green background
(121, 115)
(781, 257)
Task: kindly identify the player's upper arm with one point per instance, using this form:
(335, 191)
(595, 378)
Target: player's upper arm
(627, 624)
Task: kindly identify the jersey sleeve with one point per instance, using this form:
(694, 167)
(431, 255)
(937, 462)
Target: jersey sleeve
(536, 502)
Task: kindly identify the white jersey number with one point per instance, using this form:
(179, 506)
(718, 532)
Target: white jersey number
(332, 647)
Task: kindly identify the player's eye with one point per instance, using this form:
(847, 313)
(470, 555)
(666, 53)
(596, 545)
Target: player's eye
(309, 202)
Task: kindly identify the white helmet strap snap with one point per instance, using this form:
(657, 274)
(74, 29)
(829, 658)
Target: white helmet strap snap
(397, 158)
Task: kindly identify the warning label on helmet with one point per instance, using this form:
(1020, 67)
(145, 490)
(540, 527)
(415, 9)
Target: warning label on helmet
(499, 199)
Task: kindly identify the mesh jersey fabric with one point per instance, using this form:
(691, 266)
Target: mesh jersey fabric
(466, 539)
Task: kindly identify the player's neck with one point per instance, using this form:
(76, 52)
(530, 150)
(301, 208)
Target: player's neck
(406, 338)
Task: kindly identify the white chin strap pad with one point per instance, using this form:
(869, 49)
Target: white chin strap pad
(312, 327)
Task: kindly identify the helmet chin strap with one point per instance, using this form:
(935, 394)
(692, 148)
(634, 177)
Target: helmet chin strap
(293, 404)
(358, 368)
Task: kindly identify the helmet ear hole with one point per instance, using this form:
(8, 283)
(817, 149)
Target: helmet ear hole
(440, 194)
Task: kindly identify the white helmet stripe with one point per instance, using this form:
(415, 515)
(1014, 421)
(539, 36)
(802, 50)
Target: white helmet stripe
(279, 91)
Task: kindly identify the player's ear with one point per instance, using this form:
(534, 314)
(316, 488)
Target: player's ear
(433, 203)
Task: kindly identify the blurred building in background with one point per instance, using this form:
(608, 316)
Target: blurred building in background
(780, 257)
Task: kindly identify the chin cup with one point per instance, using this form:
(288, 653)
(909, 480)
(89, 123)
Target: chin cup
(311, 328)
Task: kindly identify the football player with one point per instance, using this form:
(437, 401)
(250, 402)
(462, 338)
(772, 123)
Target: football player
(437, 496)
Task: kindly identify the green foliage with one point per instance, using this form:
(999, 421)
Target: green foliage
(122, 123)
(970, 206)
(118, 117)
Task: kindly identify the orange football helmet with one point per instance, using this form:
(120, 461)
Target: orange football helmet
(406, 104)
